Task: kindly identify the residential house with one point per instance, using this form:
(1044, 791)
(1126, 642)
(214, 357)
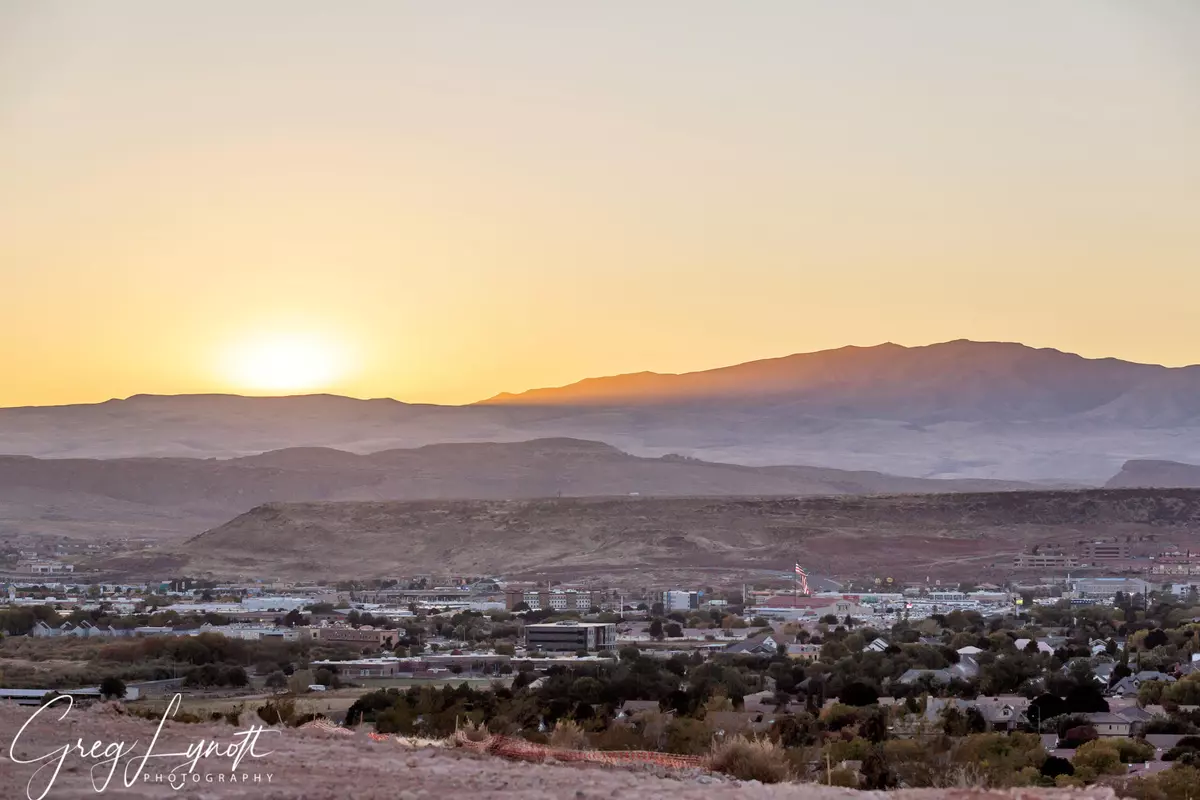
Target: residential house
(1137, 717)
(966, 669)
(731, 723)
(1107, 723)
(1162, 742)
(635, 710)
(804, 652)
(1130, 684)
(762, 644)
(877, 645)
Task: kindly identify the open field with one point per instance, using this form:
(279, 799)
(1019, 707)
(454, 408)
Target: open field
(332, 703)
(943, 535)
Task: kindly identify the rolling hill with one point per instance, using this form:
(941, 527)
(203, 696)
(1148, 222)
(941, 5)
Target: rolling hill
(172, 496)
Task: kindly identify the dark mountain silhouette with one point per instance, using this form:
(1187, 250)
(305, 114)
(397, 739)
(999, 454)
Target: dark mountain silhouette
(959, 380)
(954, 410)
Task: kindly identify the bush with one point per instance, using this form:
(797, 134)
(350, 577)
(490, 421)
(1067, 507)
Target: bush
(618, 737)
(567, 735)
(1054, 766)
(278, 712)
(474, 732)
(843, 777)
(112, 688)
(750, 760)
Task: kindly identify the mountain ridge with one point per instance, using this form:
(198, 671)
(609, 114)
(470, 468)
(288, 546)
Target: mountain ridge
(958, 409)
(844, 372)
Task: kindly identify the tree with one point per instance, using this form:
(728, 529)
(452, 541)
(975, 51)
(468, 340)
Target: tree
(1045, 707)
(1156, 638)
(673, 630)
(857, 693)
(1151, 692)
(656, 629)
(112, 688)
(1085, 699)
(1096, 758)
(276, 680)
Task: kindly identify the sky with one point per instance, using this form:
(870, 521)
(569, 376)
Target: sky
(440, 201)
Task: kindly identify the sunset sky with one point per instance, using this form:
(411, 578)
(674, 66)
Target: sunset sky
(441, 201)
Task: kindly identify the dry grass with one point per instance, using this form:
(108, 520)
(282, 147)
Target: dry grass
(567, 735)
(476, 732)
(751, 760)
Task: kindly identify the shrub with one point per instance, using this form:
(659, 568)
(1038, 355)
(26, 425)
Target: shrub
(112, 688)
(687, 736)
(278, 712)
(618, 737)
(843, 777)
(750, 760)
(567, 735)
(474, 732)
(1054, 766)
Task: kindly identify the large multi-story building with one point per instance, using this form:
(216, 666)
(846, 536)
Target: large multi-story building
(678, 600)
(570, 636)
(1176, 564)
(1108, 587)
(1099, 552)
(364, 636)
(1045, 560)
(580, 600)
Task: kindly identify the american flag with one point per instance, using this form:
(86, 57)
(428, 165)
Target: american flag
(803, 578)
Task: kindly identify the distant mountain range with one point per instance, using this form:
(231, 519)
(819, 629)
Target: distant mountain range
(954, 410)
(953, 381)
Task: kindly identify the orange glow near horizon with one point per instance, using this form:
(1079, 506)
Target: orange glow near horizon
(438, 203)
(289, 363)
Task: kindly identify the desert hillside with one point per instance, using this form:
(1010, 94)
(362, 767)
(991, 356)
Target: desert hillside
(1141, 473)
(904, 535)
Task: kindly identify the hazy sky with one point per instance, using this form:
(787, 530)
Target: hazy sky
(443, 200)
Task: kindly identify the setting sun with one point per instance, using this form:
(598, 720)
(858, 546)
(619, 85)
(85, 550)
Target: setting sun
(286, 363)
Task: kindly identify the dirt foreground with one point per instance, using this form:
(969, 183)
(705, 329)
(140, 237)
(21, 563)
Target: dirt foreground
(311, 764)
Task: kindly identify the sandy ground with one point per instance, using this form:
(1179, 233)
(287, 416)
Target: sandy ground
(316, 765)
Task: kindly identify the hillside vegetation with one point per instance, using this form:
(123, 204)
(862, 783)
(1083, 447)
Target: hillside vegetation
(965, 535)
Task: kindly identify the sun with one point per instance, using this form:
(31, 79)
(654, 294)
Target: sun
(292, 362)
